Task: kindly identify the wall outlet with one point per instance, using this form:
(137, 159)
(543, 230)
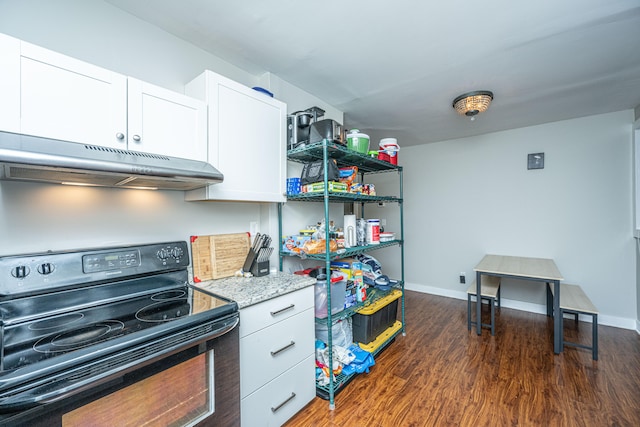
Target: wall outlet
(463, 277)
(253, 228)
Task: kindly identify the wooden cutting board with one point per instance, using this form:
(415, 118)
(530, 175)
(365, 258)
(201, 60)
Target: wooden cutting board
(219, 255)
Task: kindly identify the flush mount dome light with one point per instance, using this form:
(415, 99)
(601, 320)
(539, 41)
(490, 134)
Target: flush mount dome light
(472, 103)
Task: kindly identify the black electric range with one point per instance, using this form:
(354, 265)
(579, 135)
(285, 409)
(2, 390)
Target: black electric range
(72, 320)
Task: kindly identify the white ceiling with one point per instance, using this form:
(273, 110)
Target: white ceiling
(395, 67)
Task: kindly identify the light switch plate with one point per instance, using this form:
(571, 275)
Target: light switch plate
(535, 161)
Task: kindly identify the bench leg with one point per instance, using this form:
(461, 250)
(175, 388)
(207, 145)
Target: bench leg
(594, 334)
(493, 316)
(561, 314)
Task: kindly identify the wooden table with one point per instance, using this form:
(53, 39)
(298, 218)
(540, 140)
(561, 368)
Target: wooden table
(535, 269)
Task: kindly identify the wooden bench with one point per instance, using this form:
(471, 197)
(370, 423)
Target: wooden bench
(574, 301)
(489, 291)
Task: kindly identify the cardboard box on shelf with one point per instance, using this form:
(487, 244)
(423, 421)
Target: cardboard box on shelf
(333, 186)
(352, 268)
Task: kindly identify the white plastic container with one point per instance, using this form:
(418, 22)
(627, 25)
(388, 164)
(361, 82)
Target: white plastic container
(373, 231)
(387, 237)
(338, 293)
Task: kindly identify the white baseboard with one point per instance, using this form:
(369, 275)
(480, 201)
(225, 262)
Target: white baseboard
(616, 322)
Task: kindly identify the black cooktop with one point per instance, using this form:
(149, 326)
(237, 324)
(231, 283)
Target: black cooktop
(51, 325)
(65, 308)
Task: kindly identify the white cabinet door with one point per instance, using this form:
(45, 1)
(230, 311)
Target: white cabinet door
(9, 84)
(166, 122)
(63, 98)
(247, 141)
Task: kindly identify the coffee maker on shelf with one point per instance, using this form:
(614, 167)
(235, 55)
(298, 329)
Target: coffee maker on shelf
(299, 125)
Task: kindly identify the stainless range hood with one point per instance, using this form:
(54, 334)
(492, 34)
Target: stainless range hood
(29, 158)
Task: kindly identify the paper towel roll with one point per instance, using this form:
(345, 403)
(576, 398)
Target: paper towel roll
(350, 232)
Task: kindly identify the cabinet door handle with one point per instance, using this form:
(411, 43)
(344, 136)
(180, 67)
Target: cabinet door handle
(275, 313)
(120, 136)
(291, 344)
(136, 138)
(287, 400)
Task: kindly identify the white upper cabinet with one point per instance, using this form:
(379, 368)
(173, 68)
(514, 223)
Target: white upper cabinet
(9, 84)
(163, 121)
(247, 141)
(63, 98)
(55, 96)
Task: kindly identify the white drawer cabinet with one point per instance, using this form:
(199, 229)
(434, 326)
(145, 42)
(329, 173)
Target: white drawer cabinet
(280, 399)
(277, 358)
(264, 314)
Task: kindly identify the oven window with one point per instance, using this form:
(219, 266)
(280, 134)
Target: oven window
(179, 396)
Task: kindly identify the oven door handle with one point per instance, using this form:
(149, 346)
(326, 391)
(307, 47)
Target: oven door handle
(46, 390)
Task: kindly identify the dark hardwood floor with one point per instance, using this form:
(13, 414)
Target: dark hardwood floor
(440, 374)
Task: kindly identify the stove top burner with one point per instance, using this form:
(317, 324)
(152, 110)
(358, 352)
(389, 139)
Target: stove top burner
(168, 305)
(75, 339)
(169, 295)
(56, 322)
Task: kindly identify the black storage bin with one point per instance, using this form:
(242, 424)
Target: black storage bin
(374, 321)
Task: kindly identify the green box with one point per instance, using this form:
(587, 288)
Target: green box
(317, 187)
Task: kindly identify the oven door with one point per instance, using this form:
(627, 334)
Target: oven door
(198, 385)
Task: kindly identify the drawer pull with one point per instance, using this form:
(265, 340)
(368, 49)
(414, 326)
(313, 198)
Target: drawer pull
(291, 344)
(274, 410)
(275, 313)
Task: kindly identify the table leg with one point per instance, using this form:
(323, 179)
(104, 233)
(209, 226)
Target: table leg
(557, 319)
(478, 304)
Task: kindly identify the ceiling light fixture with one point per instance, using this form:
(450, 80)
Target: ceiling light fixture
(472, 103)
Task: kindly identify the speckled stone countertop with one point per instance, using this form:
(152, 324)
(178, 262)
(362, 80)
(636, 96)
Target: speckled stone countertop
(248, 291)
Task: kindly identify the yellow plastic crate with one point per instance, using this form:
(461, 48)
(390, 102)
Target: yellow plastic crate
(382, 302)
(372, 320)
(373, 346)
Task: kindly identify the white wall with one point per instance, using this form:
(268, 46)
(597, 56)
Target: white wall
(101, 34)
(471, 196)
(36, 217)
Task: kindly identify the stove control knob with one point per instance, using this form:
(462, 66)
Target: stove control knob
(20, 272)
(46, 268)
(163, 254)
(177, 252)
